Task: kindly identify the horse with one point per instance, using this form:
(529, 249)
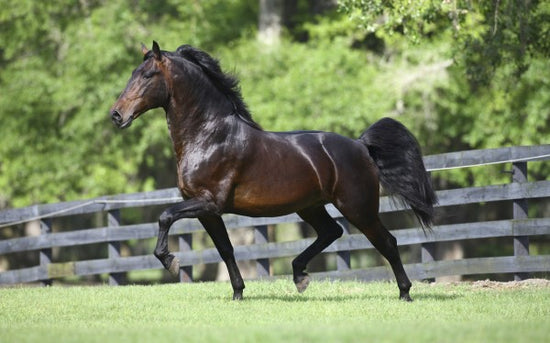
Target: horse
(226, 163)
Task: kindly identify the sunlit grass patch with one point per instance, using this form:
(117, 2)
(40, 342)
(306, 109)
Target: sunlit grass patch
(275, 312)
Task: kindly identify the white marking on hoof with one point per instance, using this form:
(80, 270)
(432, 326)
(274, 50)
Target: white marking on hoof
(174, 267)
(303, 283)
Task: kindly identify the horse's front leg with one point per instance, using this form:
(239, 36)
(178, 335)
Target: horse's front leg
(216, 229)
(169, 261)
(192, 208)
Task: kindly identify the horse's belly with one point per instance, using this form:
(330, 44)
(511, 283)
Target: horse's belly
(284, 175)
(275, 201)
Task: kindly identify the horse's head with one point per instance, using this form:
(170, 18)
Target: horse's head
(146, 89)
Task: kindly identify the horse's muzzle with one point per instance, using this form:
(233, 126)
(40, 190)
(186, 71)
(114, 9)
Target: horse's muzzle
(117, 119)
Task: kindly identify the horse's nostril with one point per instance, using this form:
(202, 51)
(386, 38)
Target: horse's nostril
(115, 116)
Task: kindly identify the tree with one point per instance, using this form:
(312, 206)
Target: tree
(496, 92)
(63, 64)
(270, 21)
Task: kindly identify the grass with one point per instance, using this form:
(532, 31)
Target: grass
(274, 312)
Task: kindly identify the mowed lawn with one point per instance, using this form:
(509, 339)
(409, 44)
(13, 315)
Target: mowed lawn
(274, 312)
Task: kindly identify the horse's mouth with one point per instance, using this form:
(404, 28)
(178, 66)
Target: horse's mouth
(126, 124)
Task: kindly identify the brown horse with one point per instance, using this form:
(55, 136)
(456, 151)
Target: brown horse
(227, 164)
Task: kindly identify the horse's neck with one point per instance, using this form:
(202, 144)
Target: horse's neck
(195, 129)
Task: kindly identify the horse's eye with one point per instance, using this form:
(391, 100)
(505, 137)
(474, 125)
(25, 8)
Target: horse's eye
(149, 74)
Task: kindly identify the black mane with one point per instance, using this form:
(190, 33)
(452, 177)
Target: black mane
(226, 84)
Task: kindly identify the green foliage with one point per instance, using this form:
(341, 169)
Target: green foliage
(275, 312)
(64, 63)
(415, 19)
(496, 90)
(300, 86)
(461, 75)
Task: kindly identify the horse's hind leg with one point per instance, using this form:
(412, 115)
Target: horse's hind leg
(367, 221)
(386, 244)
(327, 232)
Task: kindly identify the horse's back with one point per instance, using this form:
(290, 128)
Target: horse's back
(342, 152)
(350, 172)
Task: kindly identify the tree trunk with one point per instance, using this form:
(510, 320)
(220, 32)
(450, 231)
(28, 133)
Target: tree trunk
(270, 21)
(321, 6)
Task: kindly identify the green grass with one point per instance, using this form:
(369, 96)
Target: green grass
(274, 312)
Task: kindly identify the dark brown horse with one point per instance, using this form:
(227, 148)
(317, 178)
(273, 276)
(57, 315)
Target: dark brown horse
(227, 164)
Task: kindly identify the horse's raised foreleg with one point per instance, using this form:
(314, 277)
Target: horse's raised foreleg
(216, 229)
(327, 232)
(192, 208)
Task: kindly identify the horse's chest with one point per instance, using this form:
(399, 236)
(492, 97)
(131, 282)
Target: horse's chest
(203, 173)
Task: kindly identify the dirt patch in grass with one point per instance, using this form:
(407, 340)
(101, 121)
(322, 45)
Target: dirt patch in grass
(529, 283)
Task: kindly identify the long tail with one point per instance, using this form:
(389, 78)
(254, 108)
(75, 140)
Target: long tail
(397, 154)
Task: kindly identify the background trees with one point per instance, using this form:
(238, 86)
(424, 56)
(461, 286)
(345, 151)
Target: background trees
(459, 74)
(496, 92)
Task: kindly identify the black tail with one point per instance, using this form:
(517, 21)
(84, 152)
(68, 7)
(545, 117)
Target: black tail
(401, 169)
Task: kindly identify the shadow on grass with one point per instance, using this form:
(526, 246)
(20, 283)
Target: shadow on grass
(437, 296)
(289, 294)
(339, 298)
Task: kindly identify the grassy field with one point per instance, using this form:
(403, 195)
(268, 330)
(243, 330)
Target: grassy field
(274, 312)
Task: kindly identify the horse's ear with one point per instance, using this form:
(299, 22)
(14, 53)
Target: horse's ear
(156, 51)
(144, 49)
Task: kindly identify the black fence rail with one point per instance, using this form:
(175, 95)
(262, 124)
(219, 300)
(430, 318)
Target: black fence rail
(518, 229)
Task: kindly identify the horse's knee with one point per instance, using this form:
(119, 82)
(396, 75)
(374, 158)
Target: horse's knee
(337, 232)
(165, 220)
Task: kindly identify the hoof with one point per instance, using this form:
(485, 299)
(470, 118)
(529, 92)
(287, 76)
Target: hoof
(302, 282)
(174, 268)
(238, 295)
(405, 297)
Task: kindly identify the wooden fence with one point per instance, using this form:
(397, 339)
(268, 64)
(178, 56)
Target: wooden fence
(518, 229)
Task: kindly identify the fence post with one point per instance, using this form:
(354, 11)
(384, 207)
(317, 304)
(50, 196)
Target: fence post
(521, 243)
(343, 258)
(427, 254)
(113, 220)
(260, 237)
(185, 243)
(45, 255)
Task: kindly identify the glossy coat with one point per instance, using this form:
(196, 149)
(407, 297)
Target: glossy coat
(226, 163)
